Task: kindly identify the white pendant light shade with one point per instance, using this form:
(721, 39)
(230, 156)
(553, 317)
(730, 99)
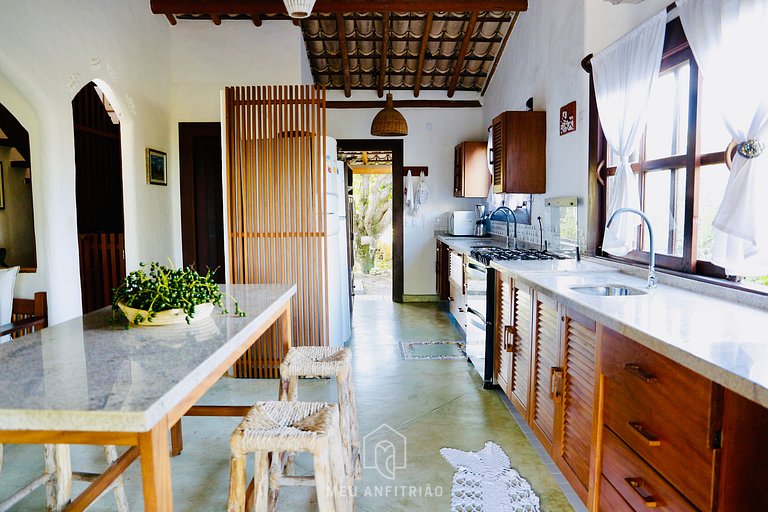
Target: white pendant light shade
(299, 8)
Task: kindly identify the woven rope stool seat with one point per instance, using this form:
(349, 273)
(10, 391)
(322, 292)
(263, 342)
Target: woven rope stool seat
(333, 362)
(275, 427)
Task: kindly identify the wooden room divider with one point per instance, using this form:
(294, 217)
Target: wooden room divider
(275, 153)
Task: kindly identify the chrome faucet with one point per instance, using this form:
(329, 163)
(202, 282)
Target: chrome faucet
(652, 266)
(507, 211)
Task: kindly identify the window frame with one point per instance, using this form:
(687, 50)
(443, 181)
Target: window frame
(676, 51)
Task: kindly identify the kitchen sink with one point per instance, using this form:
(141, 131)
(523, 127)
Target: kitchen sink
(608, 290)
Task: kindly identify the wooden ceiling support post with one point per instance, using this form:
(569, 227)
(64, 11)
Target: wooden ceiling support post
(341, 28)
(171, 18)
(384, 60)
(462, 53)
(422, 53)
(499, 53)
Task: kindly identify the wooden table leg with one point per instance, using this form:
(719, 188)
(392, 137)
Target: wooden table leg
(58, 490)
(156, 468)
(177, 441)
(286, 328)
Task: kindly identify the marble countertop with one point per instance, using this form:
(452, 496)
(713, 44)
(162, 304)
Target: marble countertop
(723, 340)
(91, 374)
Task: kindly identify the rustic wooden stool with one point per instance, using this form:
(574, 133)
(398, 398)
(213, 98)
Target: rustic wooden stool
(277, 427)
(326, 362)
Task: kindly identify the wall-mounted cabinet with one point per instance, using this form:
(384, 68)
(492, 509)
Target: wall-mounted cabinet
(520, 153)
(470, 170)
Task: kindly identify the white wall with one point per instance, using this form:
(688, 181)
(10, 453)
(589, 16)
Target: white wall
(49, 51)
(432, 136)
(543, 60)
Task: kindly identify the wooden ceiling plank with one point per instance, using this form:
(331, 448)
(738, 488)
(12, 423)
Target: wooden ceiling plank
(422, 54)
(404, 104)
(462, 53)
(384, 60)
(332, 6)
(499, 54)
(171, 18)
(341, 28)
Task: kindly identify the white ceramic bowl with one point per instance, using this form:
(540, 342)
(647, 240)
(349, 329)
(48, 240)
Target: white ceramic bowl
(167, 317)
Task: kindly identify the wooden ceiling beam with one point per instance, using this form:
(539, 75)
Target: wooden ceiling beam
(332, 6)
(341, 28)
(422, 54)
(393, 37)
(171, 19)
(499, 54)
(256, 19)
(384, 60)
(404, 104)
(216, 19)
(462, 53)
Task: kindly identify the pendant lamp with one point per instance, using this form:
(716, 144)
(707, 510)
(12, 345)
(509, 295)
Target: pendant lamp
(299, 8)
(389, 122)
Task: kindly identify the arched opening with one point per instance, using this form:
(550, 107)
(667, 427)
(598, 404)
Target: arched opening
(99, 194)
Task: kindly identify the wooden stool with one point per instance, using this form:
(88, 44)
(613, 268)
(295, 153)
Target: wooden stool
(327, 362)
(275, 427)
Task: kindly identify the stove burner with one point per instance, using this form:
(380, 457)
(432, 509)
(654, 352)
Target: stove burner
(487, 254)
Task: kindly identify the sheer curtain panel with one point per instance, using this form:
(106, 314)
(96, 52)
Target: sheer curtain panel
(624, 74)
(729, 39)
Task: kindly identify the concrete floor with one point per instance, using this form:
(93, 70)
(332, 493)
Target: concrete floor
(432, 404)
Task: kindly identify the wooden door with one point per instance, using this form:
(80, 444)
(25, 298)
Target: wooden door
(573, 450)
(202, 209)
(99, 194)
(521, 347)
(504, 333)
(545, 368)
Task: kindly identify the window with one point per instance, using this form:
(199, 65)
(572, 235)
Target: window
(680, 166)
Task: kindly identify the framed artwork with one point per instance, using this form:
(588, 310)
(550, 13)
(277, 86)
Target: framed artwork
(2, 188)
(568, 118)
(156, 168)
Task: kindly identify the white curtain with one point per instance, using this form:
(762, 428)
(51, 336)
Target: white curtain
(624, 74)
(729, 39)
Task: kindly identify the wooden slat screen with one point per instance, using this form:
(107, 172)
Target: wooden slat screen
(275, 144)
(102, 267)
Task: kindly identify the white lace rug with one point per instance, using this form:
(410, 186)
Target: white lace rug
(485, 482)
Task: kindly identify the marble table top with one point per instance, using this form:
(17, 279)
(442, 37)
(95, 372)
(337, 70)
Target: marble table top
(92, 374)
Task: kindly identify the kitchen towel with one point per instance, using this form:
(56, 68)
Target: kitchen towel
(409, 192)
(422, 194)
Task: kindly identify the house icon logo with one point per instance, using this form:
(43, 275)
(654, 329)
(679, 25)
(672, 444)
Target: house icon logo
(384, 450)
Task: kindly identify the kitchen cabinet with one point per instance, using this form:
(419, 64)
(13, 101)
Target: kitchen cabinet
(470, 170)
(457, 289)
(519, 153)
(545, 369)
(442, 270)
(520, 348)
(573, 451)
(504, 332)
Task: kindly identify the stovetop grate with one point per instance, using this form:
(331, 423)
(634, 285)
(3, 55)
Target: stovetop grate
(487, 254)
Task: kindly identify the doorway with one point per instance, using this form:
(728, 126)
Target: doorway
(99, 195)
(202, 208)
(379, 175)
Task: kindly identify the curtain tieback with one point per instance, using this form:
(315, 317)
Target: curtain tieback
(751, 149)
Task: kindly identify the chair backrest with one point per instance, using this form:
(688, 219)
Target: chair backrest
(29, 315)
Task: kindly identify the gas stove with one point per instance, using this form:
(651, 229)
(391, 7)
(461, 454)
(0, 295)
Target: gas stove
(487, 254)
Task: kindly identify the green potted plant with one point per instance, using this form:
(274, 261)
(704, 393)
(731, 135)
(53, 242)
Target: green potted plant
(164, 295)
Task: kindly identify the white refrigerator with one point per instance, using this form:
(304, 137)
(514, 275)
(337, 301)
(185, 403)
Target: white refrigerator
(339, 318)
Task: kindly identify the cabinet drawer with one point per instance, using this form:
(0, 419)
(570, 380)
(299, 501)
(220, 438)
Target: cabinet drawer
(662, 411)
(636, 482)
(610, 499)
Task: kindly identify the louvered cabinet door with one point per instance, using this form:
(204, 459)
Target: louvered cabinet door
(521, 347)
(503, 362)
(576, 408)
(545, 369)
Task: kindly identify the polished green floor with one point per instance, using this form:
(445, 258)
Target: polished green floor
(418, 406)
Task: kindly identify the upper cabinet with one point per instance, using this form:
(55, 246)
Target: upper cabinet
(470, 170)
(519, 153)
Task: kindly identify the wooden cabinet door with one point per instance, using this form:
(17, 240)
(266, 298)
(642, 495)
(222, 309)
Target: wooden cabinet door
(504, 333)
(545, 369)
(573, 450)
(458, 171)
(521, 347)
(442, 271)
(520, 152)
(458, 293)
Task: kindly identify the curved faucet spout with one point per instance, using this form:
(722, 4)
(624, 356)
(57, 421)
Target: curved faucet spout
(652, 265)
(507, 211)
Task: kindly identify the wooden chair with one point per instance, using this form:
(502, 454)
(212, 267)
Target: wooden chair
(27, 316)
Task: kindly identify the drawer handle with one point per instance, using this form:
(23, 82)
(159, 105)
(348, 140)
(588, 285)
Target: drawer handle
(509, 334)
(637, 485)
(651, 439)
(638, 372)
(555, 383)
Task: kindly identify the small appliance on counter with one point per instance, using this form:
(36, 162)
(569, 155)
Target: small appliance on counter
(481, 226)
(462, 223)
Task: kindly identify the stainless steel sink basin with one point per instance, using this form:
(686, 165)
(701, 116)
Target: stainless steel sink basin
(608, 290)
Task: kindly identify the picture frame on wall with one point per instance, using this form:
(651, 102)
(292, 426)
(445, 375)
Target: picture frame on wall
(156, 167)
(2, 188)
